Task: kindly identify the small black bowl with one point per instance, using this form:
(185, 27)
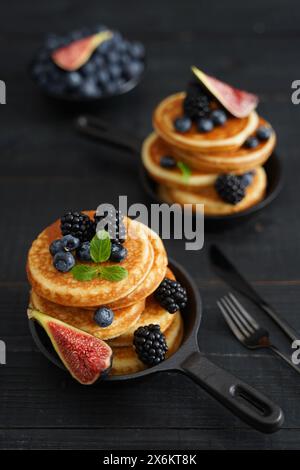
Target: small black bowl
(273, 168)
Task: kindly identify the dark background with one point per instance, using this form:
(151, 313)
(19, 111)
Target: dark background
(45, 168)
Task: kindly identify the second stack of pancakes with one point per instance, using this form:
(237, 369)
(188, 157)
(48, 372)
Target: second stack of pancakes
(190, 165)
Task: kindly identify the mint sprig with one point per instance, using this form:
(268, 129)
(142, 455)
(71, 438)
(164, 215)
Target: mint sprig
(100, 247)
(112, 273)
(100, 250)
(185, 170)
(82, 272)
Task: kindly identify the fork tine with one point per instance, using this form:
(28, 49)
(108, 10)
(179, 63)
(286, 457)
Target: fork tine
(235, 317)
(239, 315)
(247, 315)
(234, 328)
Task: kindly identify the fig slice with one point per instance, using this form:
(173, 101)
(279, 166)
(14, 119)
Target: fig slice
(85, 356)
(77, 53)
(237, 102)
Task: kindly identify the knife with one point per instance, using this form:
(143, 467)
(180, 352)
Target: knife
(228, 272)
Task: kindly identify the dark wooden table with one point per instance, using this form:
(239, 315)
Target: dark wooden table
(45, 167)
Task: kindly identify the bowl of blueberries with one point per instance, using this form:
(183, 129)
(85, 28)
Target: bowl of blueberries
(88, 64)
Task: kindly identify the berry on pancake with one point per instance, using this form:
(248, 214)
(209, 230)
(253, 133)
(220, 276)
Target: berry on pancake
(171, 295)
(230, 188)
(150, 344)
(78, 225)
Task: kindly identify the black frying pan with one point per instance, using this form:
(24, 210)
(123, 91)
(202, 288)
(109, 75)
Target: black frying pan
(98, 129)
(244, 401)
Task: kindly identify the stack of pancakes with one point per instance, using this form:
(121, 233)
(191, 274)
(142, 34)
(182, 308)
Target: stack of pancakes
(207, 155)
(74, 302)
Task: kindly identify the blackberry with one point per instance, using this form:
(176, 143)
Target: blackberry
(196, 103)
(230, 188)
(171, 295)
(150, 344)
(78, 225)
(114, 225)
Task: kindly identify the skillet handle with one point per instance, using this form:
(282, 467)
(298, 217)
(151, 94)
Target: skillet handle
(241, 399)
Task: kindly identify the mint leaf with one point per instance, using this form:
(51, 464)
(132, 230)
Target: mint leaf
(112, 273)
(82, 272)
(100, 247)
(185, 170)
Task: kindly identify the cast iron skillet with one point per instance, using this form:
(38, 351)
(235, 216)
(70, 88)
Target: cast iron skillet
(242, 400)
(98, 129)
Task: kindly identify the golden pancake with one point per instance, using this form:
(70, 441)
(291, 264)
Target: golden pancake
(213, 204)
(230, 136)
(240, 160)
(83, 319)
(155, 276)
(152, 151)
(126, 361)
(153, 313)
(62, 288)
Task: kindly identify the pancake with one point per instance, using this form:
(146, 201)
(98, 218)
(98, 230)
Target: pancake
(153, 313)
(63, 289)
(153, 279)
(125, 360)
(213, 204)
(83, 319)
(232, 161)
(153, 149)
(230, 136)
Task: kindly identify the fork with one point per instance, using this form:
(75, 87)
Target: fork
(246, 329)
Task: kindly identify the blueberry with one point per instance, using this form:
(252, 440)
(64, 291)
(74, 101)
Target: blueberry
(118, 252)
(105, 47)
(113, 57)
(63, 261)
(73, 80)
(247, 178)
(251, 142)
(89, 88)
(55, 247)
(117, 38)
(124, 47)
(70, 243)
(88, 69)
(53, 41)
(137, 50)
(104, 317)
(167, 162)
(218, 117)
(183, 124)
(205, 125)
(134, 69)
(263, 133)
(103, 77)
(115, 70)
(98, 60)
(83, 252)
(125, 59)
